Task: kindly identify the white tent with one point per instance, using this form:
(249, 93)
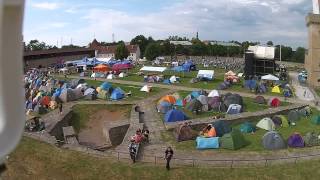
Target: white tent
(104, 59)
(266, 124)
(203, 99)
(270, 77)
(214, 93)
(173, 79)
(153, 69)
(82, 86)
(234, 109)
(146, 88)
(240, 75)
(89, 91)
(122, 75)
(110, 76)
(97, 75)
(208, 74)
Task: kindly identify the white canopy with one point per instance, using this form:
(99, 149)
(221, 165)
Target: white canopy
(270, 77)
(205, 74)
(153, 69)
(110, 76)
(213, 93)
(104, 59)
(146, 88)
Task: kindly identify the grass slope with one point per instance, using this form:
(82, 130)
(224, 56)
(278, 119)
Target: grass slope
(36, 160)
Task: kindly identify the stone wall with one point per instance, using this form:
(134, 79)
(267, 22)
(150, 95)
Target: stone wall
(57, 131)
(117, 133)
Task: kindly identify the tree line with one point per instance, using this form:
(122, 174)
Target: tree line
(151, 48)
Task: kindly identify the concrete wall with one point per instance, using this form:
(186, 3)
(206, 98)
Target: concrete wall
(116, 134)
(57, 131)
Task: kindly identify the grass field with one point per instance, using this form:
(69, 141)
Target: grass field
(36, 160)
(135, 90)
(303, 126)
(81, 113)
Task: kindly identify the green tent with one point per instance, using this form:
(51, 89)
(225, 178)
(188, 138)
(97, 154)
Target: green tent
(233, 141)
(311, 139)
(247, 127)
(284, 121)
(316, 120)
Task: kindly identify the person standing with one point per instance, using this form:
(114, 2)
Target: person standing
(168, 157)
(60, 108)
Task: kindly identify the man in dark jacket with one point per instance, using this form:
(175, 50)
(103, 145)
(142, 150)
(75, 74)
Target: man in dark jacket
(168, 156)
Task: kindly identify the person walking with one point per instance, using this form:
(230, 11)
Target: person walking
(304, 93)
(132, 151)
(168, 157)
(60, 108)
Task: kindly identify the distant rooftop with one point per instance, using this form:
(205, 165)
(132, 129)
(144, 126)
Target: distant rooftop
(183, 43)
(223, 43)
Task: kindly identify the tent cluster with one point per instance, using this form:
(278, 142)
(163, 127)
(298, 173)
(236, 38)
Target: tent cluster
(108, 75)
(261, 87)
(106, 91)
(201, 101)
(187, 66)
(231, 77)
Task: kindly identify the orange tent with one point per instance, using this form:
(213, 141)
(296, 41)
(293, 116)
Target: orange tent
(101, 68)
(169, 99)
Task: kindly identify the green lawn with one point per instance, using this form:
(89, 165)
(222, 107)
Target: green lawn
(303, 126)
(36, 160)
(81, 113)
(135, 90)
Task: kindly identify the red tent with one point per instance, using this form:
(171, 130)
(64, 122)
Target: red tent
(102, 68)
(119, 67)
(274, 102)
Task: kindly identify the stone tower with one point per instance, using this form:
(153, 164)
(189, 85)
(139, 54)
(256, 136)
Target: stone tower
(312, 60)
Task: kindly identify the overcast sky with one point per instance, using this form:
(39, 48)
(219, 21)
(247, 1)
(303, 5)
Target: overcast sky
(282, 21)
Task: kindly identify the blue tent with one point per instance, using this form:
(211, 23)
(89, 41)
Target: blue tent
(178, 69)
(287, 93)
(179, 102)
(113, 62)
(166, 81)
(195, 94)
(175, 115)
(57, 93)
(164, 107)
(117, 94)
(207, 143)
(189, 66)
(250, 84)
(106, 86)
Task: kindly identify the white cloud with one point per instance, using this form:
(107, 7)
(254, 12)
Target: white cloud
(58, 24)
(46, 5)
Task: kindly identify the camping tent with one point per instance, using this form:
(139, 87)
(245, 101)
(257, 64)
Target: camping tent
(250, 84)
(194, 105)
(232, 99)
(122, 75)
(205, 74)
(280, 121)
(105, 86)
(173, 79)
(184, 132)
(260, 100)
(316, 120)
(111, 76)
(221, 128)
(274, 102)
(153, 69)
(169, 99)
(89, 91)
(270, 77)
(247, 127)
(164, 107)
(195, 94)
(303, 112)
(266, 124)
(121, 66)
(272, 140)
(75, 82)
(189, 66)
(234, 109)
(97, 75)
(67, 95)
(117, 94)
(233, 141)
(175, 115)
(215, 103)
(194, 80)
(293, 116)
(276, 89)
(213, 93)
(295, 141)
(207, 143)
(311, 139)
(203, 99)
(146, 88)
(101, 68)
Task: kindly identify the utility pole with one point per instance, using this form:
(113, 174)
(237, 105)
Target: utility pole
(280, 53)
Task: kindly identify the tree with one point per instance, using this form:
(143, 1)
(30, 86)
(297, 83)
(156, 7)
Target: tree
(299, 55)
(121, 51)
(167, 48)
(69, 46)
(198, 48)
(270, 43)
(153, 50)
(142, 42)
(35, 45)
(286, 53)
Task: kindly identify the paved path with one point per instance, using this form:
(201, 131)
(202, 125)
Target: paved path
(302, 92)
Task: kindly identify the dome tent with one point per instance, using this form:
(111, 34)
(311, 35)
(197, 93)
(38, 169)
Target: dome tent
(215, 103)
(272, 140)
(293, 116)
(266, 124)
(194, 105)
(295, 141)
(184, 132)
(316, 120)
(207, 143)
(311, 139)
(214, 93)
(233, 141)
(117, 94)
(274, 102)
(260, 100)
(247, 127)
(164, 107)
(221, 127)
(175, 115)
(234, 109)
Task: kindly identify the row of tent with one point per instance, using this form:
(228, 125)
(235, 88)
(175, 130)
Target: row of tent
(103, 75)
(261, 88)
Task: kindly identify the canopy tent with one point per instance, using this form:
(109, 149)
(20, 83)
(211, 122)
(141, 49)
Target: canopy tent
(205, 74)
(266, 124)
(207, 143)
(270, 77)
(233, 141)
(175, 115)
(247, 127)
(121, 66)
(101, 68)
(153, 69)
(272, 140)
(295, 141)
(213, 93)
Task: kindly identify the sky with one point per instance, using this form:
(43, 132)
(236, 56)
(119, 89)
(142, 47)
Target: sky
(80, 21)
